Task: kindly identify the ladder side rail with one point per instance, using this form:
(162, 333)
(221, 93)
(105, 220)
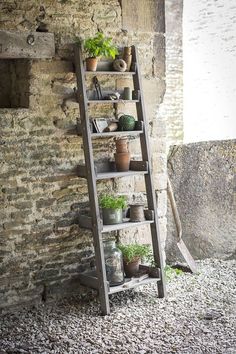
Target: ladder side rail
(91, 181)
(146, 155)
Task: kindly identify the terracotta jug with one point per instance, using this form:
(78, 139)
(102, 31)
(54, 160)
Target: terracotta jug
(122, 161)
(122, 145)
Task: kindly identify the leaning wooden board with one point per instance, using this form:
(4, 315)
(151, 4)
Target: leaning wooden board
(31, 45)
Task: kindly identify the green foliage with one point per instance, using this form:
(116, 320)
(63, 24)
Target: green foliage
(171, 273)
(111, 202)
(133, 251)
(99, 45)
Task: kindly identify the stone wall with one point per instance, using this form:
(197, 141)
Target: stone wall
(173, 101)
(42, 249)
(203, 179)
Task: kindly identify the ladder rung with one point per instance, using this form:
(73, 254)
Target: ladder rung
(132, 283)
(116, 134)
(112, 101)
(124, 73)
(85, 222)
(107, 175)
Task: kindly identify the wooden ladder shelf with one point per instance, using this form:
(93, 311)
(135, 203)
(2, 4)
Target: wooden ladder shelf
(98, 278)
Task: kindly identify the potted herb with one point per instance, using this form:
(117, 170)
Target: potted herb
(132, 254)
(112, 209)
(98, 46)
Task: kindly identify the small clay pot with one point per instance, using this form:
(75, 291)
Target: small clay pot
(91, 64)
(137, 213)
(122, 145)
(132, 268)
(122, 161)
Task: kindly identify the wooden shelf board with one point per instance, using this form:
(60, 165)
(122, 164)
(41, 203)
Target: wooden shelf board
(90, 280)
(125, 225)
(107, 175)
(116, 133)
(134, 282)
(112, 101)
(100, 72)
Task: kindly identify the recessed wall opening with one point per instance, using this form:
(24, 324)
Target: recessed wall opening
(14, 83)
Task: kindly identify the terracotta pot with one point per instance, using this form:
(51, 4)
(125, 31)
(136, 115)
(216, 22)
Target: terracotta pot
(122, 161)
(132, 268)
(91, 64)
(122, 145)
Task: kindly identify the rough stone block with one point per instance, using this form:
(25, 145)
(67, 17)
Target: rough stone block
(143, 15)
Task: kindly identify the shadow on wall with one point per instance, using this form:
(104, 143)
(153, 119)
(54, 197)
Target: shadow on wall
(204, 182)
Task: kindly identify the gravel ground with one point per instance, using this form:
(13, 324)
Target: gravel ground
(199, 316)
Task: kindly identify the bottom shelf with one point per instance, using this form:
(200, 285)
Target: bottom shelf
(131, 283)
(90, 279)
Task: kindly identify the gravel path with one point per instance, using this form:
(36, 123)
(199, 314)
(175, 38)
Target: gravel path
(199, 316)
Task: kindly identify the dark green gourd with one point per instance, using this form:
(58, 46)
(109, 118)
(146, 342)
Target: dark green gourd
(126, 122)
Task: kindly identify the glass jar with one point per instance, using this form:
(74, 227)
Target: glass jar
(114, 263)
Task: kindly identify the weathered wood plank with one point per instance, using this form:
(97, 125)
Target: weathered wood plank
(116, 134)
(100, 72)
(125, 225)
(15, 45)
(133, 283)
(151, 198)
(108, 175)
(92, 188)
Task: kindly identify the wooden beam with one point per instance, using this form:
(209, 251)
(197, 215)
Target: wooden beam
(31, 45)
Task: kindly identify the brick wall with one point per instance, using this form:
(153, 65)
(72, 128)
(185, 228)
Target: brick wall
(41, 245)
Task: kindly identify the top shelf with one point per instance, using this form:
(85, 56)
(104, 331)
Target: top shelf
(110, 72)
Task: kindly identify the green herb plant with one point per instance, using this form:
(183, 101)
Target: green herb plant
(100, 46)
(133, 251)
(171, 272)
(112, 202)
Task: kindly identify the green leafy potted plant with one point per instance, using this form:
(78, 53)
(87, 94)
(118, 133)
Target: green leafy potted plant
(98, 46)
(132, 254)
(112, 208)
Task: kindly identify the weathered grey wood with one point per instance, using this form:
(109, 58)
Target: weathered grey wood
(100, 72)
(14, 45)
(112, 101)
(85, 222)
(109, 175)
(138, 165)
(146, 156)
(125, 225)
(95, 220)
(116, 134)
(180, 243)
(132, 284)
(92, 188)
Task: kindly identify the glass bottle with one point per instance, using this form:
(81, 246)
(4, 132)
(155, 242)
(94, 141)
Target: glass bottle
(114, 263)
